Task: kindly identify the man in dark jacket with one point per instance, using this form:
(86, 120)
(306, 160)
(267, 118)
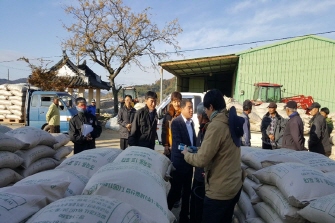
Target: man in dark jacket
(325, 112)
(293, 137)
(272, 128)
(144, 126)
(83, 128)
(198, 186)
(247, 107)
(183, 132)
(124, 119)
(318, 135)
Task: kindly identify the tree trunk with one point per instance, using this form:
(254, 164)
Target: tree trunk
(115, 92)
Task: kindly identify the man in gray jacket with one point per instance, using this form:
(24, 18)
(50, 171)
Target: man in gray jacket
(318, 135)
(293, 137)
(272, 128)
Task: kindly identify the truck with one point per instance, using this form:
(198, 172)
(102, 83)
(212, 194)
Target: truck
(36, 106)
(270, 92)
(38, 103)
(162, 109)
(128, 91)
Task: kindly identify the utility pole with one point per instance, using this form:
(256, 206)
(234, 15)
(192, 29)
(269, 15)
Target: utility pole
(161, 94)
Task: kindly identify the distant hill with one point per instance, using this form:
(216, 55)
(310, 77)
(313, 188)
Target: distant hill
(20, 80)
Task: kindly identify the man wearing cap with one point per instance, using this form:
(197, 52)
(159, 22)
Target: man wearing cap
(318, 135)
(247, 107)
(83, 128)
(272, 128)
(293, 137)
(325, 112)
(53, 116)
(92, 108)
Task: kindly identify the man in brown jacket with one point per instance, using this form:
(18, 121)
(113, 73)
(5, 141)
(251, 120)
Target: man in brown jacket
(221, 159)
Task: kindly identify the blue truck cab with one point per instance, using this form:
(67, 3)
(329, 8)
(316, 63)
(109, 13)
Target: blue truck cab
(37, 106)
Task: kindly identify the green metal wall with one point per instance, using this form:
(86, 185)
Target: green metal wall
(302, 65)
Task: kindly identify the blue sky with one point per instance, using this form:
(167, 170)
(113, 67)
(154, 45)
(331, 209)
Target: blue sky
(33, 29)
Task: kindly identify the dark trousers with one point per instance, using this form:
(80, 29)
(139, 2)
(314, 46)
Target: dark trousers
(54, 128)
(197, 201)
(266, 146)
(181, 188)
(123, 143)
(219, 211)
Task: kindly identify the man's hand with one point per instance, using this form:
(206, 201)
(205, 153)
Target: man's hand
(185, 151)
(128, 126)
(272, 137)
(167, 150)
(88, 137)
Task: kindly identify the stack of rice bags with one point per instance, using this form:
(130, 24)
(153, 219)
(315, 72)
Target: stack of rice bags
(287, 182)
(117, 189)
(12, 101)
(62, 151)
(38, 155)
(9, 161)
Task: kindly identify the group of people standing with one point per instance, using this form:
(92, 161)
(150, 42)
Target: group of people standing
(217, 179)
(215, 169)
(278, 132)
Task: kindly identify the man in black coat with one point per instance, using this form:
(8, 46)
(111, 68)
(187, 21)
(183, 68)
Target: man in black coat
(77, 125)
(124, 119)
(318, 135)
(144, 126)
(183, 131)
(293, 137)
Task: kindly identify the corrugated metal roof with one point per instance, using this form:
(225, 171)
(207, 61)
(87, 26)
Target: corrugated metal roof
(285, 42)
(201, 66)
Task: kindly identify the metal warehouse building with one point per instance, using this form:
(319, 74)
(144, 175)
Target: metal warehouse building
(303, 65)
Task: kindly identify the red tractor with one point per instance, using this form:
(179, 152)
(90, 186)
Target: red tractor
(267, 92)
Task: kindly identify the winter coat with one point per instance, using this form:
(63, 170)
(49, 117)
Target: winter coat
(166, 135)
(75, 131)
(143, 130)
(293, 137)
(279, 129)
(92, 109)
(124, 117)
(221, 159)
(246, 129)
(53, 115)
(318, 136)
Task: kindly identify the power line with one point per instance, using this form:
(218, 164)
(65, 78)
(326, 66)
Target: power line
(9, 61)
(213, 47)
(14, 68)
(247, 43)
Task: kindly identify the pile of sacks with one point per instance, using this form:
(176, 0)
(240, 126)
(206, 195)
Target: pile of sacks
(286, 186)
(99, 185)
(25, 151)
(259, 111)
(12, 101)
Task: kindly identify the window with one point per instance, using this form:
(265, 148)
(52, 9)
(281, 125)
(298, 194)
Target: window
(196, 101)
(46, 101)
(34, 101)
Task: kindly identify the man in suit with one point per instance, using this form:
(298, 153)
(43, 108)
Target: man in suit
(144, 126)
(182, 129)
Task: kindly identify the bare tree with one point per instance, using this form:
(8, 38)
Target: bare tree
(113, 36)
(45, 78)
